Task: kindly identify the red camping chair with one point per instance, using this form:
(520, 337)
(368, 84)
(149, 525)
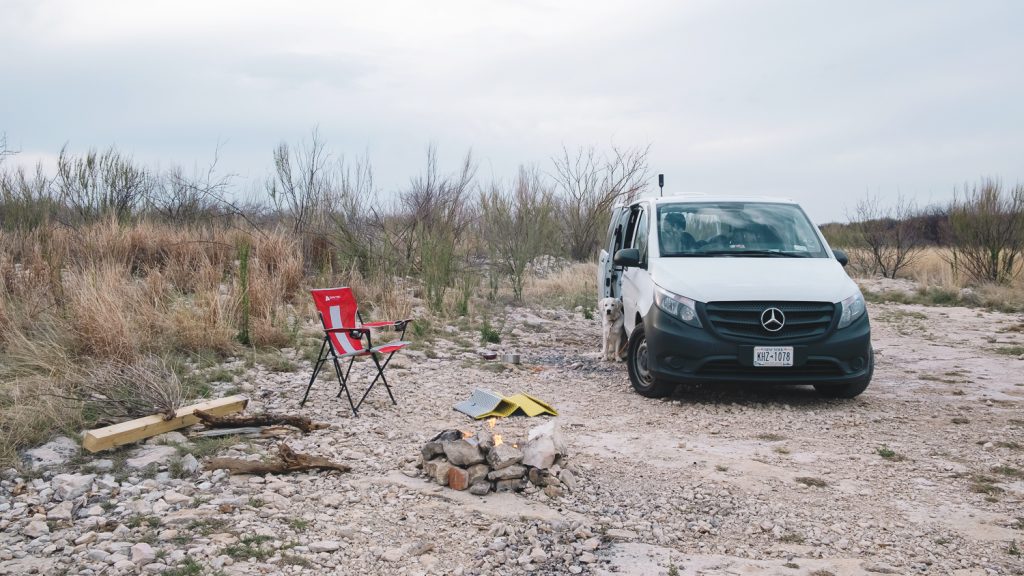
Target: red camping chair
(346, 336)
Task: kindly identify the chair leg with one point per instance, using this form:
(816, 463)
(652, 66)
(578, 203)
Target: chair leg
(380, 376)
(383, 378)
(320, 359)
(344, 386)
(344, 378)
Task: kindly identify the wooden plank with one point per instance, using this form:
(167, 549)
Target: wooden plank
(135, 430)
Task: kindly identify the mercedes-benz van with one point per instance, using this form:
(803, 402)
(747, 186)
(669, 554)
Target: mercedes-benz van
(733, 289)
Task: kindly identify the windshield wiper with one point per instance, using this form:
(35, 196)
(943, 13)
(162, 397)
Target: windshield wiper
(768, 253)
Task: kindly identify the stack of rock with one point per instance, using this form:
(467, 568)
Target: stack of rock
(482, 463)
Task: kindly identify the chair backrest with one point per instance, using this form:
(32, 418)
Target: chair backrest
(338, 309)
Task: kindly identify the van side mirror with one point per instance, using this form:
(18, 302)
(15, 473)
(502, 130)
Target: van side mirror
(627, 257)
(841, 257)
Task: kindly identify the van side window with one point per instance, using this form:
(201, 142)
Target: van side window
(616, 231)
(631, 229)
(640, 236)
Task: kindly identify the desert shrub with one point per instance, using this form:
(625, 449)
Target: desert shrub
(588, 185)
(324, 199)
(987, 231)
(98, 185)
(891, 238)
(26, 201)
(437, 213)
(118, 389)
(518, 225)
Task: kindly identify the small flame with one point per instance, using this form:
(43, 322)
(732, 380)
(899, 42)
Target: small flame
(497, 440)
(491, 422)
(515, 445)
(466, 434)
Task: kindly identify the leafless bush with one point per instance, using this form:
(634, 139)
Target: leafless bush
(4, 151)
(589, 185)
(99, 185)
(987, 231)
(518, 224)
(121, 390)
(433, 226)
(25, 199)
(325, 200)
(891, 237)
(190, 198)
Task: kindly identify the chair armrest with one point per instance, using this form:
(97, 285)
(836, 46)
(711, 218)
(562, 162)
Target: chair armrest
(396, 324)
(354, 332)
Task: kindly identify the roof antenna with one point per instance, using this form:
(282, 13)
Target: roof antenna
(661, 184)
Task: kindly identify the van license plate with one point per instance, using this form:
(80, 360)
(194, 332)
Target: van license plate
(773, 355)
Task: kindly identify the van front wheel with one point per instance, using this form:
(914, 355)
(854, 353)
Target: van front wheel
(640, 374)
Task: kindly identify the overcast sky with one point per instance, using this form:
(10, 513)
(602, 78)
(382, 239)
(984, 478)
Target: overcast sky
(819, 101)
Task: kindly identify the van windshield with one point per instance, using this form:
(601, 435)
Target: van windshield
(737, 229)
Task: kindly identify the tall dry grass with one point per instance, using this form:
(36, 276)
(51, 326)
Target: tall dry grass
(570, 286)
(108, 294)
(939, 282)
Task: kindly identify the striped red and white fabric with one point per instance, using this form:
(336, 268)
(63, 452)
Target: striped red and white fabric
(338, 310)
(340, 313)
(345, 336)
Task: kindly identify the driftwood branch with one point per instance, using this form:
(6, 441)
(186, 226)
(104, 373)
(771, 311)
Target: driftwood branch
(262, 419)
(288, 461)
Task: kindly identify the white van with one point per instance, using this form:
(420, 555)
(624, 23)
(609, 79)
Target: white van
(718, 289)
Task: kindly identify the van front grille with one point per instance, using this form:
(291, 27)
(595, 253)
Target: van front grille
(733, 368)
(742, 320)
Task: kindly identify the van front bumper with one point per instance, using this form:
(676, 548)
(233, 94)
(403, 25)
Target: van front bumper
(681, 353)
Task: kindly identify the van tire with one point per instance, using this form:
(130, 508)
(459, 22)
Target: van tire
(640, 377)
(852, 389)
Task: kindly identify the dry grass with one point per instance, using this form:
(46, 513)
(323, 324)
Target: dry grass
(571, 286)
(106, 296)
(98, 302)
(939, 284)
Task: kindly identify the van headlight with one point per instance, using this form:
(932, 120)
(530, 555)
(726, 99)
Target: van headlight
(853, 308)
(678, 306)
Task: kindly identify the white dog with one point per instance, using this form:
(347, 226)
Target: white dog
(612, 330)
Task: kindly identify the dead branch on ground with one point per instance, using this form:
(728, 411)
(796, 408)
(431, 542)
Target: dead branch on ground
(289, 461)
(262, 419)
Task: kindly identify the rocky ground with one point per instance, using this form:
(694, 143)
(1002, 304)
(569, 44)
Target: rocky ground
(924, 473)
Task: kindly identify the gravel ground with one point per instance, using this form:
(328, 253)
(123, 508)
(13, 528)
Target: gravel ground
(924, 473)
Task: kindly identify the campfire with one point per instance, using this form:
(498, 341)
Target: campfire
(483, 462)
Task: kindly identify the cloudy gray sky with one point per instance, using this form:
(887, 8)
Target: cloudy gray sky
(819, 101)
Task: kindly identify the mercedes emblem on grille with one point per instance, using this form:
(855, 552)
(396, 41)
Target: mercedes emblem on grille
(773, 319)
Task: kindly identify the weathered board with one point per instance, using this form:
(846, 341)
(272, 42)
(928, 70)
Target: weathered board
(135, 430)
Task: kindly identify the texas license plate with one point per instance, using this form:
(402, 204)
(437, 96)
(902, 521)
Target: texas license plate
(773, 355)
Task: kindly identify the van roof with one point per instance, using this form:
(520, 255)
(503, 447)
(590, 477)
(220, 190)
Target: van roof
(703, 197)
(700, 197)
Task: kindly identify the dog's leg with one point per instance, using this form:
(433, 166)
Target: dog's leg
(604, 341)
(622, 345)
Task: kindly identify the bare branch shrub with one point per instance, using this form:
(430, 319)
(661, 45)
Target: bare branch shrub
(986, 226)
(99, 185)
(436, 214)
(325, 200)
(891, 237)
(589, 186)
(26, 202)
(188, 199)
(118, 389)
(518, 224)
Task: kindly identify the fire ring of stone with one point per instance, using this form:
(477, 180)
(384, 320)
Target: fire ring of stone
(483, 462)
